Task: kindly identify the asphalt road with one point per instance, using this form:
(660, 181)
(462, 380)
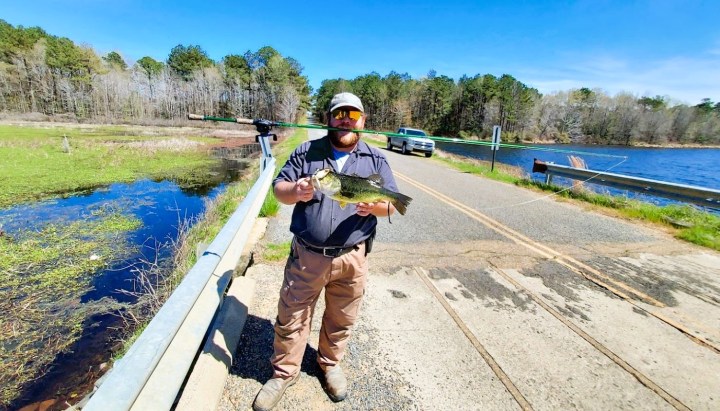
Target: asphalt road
(490, 296)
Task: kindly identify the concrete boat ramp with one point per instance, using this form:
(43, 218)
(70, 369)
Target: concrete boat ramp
(474, 306)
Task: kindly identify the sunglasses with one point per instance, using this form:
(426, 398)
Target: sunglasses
(339, 114)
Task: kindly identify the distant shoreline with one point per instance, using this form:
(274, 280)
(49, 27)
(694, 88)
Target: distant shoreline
(232, 130)
(543, 142)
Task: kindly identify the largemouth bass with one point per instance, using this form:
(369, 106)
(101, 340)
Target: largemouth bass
(346, 189)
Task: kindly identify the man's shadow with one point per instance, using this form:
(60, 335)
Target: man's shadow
(252, 357)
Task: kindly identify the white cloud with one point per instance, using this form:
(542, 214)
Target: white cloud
(686, 79)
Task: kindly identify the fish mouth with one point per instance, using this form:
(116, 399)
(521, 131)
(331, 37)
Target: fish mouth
(317, 176)
(315, 183)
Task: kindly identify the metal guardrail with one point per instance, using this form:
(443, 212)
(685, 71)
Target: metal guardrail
(706, 197)
(152, 372)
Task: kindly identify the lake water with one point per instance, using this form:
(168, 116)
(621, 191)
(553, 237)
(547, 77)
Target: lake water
(691, 166)
(161, 207)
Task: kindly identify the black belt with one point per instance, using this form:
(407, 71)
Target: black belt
(332, 252)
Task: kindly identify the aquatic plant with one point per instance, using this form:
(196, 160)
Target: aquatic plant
(43, 275)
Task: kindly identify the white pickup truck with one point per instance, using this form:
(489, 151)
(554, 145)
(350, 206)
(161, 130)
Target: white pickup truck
(411, 140)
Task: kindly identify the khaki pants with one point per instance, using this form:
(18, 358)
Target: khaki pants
(306, 273)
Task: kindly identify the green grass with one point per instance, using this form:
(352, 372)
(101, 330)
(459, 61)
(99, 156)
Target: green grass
(281, 151)
(35, 166)
(276, 252)
(270, 206)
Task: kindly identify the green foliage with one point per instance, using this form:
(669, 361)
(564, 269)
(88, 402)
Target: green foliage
(150, 66)
(701, 236)
(470, 108)
(652, 103)
(80, 63)
(14, 41)
(271, 206)
(516, 101)
(283, 150)
(261, 58)
(38, 67)
(185, 60)
(437, 103)
(114, 59)
(706, 106)
(433, 104)
(237, 69)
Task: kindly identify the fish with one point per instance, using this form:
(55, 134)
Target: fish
(346, 189)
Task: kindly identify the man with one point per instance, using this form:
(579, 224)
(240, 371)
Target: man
(328, 251)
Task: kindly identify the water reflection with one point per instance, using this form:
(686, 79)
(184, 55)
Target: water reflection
(162, 207)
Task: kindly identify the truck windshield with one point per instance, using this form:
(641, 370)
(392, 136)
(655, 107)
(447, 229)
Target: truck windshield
(414, 133)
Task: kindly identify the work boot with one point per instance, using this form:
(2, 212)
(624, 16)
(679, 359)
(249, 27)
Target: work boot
(335, 383)
(271, 392)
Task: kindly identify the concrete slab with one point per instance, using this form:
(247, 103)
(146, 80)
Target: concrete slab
(551, 366)
(204, 387)
(665, 355)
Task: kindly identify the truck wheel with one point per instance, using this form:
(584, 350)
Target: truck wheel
(389, 145)
(405, 149)
(428, 154)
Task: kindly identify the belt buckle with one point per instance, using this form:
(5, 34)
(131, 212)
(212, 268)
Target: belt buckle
(325, 253)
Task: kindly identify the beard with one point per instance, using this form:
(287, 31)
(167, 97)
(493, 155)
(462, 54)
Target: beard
(346, 141)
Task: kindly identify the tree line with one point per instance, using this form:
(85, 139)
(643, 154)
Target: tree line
(42, 73)
(471, 106)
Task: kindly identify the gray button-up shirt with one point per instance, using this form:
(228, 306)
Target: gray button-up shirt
(321, 222)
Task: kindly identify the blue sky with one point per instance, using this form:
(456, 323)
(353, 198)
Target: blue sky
(668, 48)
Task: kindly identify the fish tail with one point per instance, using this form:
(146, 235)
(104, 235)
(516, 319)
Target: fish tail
(401, 201)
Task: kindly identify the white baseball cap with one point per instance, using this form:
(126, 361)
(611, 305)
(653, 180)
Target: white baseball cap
(346, 100)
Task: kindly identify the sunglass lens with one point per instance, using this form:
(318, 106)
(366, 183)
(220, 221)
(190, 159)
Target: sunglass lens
(339, 114)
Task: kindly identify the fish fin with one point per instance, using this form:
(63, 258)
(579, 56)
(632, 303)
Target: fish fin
(401, 201)
(376, 178)
(342, 204)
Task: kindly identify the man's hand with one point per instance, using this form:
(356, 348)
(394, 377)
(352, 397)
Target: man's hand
(291, 192)
(364, 209)
(304, 189)
(378, 209)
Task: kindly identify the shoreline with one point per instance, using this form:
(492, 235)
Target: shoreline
(222, 130)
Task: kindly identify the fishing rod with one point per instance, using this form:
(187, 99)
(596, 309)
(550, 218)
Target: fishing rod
(264, 126)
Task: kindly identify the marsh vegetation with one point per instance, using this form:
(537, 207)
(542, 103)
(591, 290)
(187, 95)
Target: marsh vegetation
(96, 228)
